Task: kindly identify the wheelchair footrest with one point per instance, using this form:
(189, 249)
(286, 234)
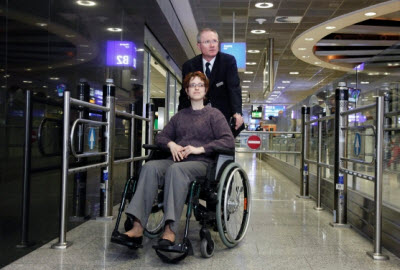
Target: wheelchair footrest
(183, 249)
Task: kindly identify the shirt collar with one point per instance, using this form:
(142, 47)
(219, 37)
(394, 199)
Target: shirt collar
(211, 64)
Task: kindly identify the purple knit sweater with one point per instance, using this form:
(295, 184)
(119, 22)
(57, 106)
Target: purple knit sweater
(206, 127)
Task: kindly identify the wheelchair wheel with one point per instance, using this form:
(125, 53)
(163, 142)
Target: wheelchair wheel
(234, 204)
(206, 248)
(154, 226)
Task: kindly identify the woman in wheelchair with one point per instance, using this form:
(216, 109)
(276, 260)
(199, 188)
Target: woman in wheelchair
(191, 136)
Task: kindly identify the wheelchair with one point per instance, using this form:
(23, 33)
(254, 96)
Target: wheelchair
(226, 192)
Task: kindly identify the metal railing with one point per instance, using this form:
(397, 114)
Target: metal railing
(340, 164)
(107, 165)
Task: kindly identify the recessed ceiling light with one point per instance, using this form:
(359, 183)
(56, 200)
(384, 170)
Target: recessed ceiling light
(44, 86)
(309, 39)
(245, 91)
(140, 50)
(293, 72)
(253, 51)
(264, 5)
(330, 27)
(27, 81)
(386, 73)
(373, 73)
(54, 78)
(86, 3)
(352, 83)
(245, 86)
(336, 67)
(257, 32)
(28, 69)
(285, 81)
(305, 56)
(364, 82)
(114, 29)
(317, 63)
(281, 87)
(246, 81)
(69, 36)
(248, 72)
(251, 63)
(302, 49)
(41, 24)
(369, 14)
(133, 79)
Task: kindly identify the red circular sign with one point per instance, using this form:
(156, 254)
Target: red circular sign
(254, 142)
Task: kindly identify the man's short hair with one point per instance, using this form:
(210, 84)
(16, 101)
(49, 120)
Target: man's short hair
(205, 30)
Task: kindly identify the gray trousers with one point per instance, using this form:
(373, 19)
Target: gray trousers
(175, 177)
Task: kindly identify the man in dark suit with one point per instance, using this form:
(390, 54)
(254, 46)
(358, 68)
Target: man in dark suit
(220, 68)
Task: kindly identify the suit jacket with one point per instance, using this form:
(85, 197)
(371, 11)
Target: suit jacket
(224, 92)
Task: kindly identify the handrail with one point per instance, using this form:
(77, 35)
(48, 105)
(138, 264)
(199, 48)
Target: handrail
(40, 130)
(364, 176)
(89, 105)
(72, 140)
(359, 161)
(359, 109)
(394, 113)
(270, 132)
(360, 128)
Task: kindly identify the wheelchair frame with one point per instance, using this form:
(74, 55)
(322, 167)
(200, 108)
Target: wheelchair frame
(216, 189)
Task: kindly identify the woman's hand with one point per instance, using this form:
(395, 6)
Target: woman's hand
(187, 150)
(176, 151)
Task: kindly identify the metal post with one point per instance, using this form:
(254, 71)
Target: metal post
(26, 184)
(305, 117)
(131, 165)
(150, 114)
(340, 179)
(62, 243)
(271, 65)
(377, 254)
(387, 120)
(79, 193)
(106, 186)
(319, 160)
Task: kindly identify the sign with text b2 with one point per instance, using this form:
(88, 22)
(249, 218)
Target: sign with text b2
(121, 53)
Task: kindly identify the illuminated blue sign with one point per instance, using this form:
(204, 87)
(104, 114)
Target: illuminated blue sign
(121, 53)
(238, 50)
(273, 110)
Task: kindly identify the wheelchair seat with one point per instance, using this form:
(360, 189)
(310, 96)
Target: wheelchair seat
(225, 189)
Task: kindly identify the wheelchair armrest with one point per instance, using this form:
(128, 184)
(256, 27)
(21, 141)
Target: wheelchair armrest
(225, 151)
(156, 152)
(152, 147)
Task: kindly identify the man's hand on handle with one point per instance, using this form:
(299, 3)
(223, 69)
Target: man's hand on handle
(239, 120)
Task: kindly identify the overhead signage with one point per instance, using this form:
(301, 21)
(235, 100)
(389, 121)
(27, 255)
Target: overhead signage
(121, 53)
(238, 50)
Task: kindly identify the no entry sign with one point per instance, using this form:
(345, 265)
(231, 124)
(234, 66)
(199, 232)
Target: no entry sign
(254, 142)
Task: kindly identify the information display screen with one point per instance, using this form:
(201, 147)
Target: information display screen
(354, 94)
(238, 50)
(121, 53)
(273, 110)
(256, 115)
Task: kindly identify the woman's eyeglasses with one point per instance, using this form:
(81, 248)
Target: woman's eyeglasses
(199, 85)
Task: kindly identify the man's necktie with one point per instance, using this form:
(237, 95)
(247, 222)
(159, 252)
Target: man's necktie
(208, 72)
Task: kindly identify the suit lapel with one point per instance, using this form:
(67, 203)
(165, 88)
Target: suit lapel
(198, 63)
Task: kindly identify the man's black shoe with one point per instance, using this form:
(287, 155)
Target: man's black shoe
(123, 239)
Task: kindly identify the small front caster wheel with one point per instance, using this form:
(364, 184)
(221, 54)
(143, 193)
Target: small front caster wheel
(207, 248)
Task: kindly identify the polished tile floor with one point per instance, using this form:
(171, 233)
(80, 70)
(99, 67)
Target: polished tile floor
(285, 232)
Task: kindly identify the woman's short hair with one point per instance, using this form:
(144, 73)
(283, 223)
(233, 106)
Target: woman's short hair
(191, 75)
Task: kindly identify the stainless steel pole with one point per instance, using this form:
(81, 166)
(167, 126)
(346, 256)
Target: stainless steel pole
(305, 115)
(62, 243)
(377, 254)
(271, 65)
(131, 164)
(107, 181)
(26, 184)
(319, 160)
(340, 179)
(150, 115)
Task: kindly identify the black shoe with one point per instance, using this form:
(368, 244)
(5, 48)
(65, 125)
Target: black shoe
(123, 239)
(165, 243)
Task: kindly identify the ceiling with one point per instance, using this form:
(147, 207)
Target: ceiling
(374, 41)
